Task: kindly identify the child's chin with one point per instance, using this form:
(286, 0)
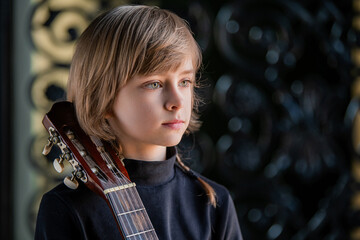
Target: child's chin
(173, 143)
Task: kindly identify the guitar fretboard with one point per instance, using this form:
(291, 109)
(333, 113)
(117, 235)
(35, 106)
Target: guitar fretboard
(130, 213)
(124, 199)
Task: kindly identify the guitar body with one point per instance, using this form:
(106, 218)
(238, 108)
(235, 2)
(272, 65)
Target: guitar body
(96, 163)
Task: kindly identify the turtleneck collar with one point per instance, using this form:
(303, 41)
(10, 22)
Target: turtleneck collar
(150, 173)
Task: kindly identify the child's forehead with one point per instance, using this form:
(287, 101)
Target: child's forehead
(180, 72)
(185, 65)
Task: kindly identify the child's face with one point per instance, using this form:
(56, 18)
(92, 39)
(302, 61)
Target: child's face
(154, 110)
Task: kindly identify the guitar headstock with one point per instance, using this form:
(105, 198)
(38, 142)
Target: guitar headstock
(94, 162)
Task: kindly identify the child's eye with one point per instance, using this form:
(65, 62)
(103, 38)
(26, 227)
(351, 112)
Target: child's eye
(153, 85)
(185, 83)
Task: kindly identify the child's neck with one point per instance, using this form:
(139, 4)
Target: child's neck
(153, 153)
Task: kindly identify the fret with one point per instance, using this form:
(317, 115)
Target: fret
(130, 213)
(140, 233)
(126, 200)
(133, 211)
(137, 218)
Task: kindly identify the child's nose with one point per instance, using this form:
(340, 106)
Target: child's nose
(174, 99)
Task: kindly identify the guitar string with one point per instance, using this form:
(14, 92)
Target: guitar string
(132, 205)
(141, 216)
(89, 159)
(90, 162)
(128, 234)
(124, 226)
(123, 180)
(124, 205)
(122, 202)
(128, 213)
(138, 215)
(145, 216)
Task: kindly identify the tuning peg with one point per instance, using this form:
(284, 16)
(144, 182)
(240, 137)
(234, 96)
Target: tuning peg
(59, 165)
(47, 147)
(79, 174)
(71, 182)
(55, 139)
(95, 170)
(58, 162)
(70, 135)
(67, 156)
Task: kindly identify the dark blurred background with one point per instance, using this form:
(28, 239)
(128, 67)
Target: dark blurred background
(281, 127)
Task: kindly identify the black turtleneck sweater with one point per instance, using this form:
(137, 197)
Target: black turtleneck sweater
(175, 201)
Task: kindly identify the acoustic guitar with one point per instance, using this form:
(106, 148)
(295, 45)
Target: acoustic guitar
(95, 163)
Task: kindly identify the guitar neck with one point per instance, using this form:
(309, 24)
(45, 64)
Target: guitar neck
(130, 212)
(96, 164)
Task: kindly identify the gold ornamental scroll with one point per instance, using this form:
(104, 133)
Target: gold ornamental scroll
(355, 55)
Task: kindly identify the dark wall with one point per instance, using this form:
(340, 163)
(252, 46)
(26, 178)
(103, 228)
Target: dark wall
(5, 119)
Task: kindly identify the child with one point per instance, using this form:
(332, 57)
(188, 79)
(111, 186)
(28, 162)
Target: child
(132, 83)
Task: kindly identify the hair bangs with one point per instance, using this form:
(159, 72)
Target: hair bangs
(168, 43)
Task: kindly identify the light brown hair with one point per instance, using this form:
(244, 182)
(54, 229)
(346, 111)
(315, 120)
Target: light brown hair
(116, 46)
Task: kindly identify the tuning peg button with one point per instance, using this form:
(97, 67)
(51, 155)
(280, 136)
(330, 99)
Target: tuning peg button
(58, 165)
(47, 147)
(71, 182)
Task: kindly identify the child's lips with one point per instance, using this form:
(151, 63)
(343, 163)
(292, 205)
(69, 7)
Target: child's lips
(174, 124)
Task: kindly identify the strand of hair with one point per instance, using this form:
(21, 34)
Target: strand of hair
(208, 189)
